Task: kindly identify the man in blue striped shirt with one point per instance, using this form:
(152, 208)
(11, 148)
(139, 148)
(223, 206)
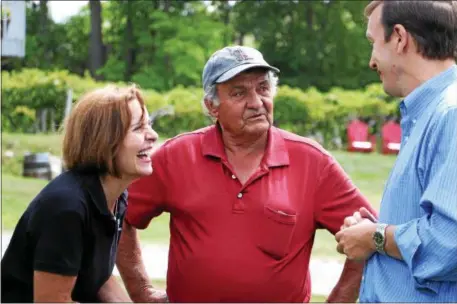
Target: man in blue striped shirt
(411, 251)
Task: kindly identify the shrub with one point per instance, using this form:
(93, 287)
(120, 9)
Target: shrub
(308, 113)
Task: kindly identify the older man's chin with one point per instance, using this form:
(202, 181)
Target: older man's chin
(258, 128)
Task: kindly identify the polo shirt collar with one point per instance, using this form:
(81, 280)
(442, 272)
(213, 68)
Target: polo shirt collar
(276, 153)
(212, 144)
(93, 187)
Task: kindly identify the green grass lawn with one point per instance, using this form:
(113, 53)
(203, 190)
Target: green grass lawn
(368, 171)
(17, 192)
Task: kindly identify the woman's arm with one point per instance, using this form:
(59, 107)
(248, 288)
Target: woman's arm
(112, 292)
(50, 287)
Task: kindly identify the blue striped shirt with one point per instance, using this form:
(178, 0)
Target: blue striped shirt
(420, 198)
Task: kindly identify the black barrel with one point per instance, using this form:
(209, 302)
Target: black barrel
(41, 165)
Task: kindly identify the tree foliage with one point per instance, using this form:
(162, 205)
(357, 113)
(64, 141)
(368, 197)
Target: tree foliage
(165, 43)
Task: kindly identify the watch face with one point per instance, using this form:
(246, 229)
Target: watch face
(377, 237)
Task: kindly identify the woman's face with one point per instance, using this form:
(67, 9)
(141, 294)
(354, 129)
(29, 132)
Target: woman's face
(134, 156)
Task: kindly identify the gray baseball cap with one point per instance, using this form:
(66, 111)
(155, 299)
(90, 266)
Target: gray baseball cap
(230, 61)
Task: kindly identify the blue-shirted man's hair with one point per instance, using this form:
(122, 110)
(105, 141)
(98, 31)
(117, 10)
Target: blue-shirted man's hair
(432, 23)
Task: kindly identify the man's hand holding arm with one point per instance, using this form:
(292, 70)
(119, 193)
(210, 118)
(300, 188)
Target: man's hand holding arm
(355, 239)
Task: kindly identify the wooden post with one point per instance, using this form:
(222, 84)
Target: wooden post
(68, 104)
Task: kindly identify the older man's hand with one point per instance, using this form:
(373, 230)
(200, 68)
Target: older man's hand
(157, 296)
(357, 217)
(356, 241)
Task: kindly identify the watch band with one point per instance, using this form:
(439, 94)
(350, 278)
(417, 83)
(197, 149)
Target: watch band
(380, 238)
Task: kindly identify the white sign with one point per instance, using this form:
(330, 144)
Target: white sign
(13, 28)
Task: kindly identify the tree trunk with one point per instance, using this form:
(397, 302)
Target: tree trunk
(43, 32)
(309, 15)
(166, 59)
(43, 14)
(240, 40)
(226, 20)
(167, 5)
(128, 43)
(96, 42)
(11, 120)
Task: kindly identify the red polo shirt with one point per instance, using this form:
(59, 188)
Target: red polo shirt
(242, 243)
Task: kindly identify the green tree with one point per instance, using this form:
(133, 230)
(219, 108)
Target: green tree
(162, 44)
(314, 43)
(96, 48)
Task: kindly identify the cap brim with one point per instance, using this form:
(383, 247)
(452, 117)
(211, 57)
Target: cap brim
(241, 68)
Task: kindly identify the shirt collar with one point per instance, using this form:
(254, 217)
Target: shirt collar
(276, 153)
(421, 97)
(94, 188)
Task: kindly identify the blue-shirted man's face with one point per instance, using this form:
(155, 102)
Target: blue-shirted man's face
(386, 57)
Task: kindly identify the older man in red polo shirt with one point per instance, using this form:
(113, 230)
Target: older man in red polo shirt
(245, 199)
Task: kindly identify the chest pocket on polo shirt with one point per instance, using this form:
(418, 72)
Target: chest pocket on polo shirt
(274, 231)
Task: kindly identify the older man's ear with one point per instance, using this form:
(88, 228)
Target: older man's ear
(212, 109)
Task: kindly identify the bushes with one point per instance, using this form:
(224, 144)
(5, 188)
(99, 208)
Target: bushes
(188, 112)
(309, 113)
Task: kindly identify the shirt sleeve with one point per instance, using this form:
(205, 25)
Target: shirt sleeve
(58, 228)
(429, 244)
(148, 194)
(337, 197)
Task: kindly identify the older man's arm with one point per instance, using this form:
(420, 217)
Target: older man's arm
(133, 272)
(348, 286)
(337, 198)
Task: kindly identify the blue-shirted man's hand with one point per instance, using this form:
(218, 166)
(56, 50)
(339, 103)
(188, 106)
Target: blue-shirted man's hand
(356, 241)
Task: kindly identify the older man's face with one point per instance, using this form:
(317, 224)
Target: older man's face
(246, 104)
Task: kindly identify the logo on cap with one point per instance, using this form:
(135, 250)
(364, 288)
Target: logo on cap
(240, 55)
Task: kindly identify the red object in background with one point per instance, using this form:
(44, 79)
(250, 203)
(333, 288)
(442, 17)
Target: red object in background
(391, 138)
(359, 139)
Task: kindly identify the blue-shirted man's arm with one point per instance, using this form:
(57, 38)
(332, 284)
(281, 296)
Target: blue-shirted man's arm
(428, 244)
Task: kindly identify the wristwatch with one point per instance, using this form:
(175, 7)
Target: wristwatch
(379, 238)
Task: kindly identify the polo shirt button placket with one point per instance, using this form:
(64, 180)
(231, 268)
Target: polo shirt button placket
(238, 206)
